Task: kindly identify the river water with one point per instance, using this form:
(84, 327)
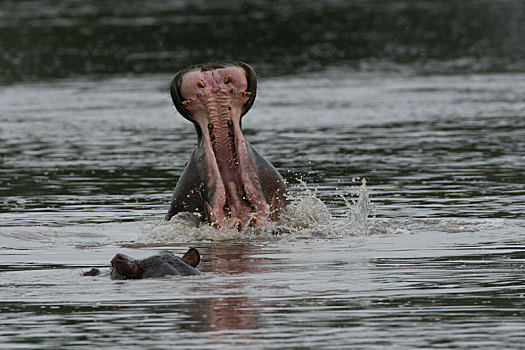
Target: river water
(401, 136)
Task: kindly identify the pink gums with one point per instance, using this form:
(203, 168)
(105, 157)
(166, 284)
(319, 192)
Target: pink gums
(215, 101)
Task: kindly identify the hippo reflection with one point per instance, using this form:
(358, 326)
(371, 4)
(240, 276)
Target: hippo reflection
(226, 181)
(158, 265)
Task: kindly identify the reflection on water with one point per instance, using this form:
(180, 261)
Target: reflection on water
(422, 288)
(231, 308)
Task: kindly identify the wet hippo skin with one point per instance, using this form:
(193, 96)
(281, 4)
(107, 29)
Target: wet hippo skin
(225, 181)
(158, 265)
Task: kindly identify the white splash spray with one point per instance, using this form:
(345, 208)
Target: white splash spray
(306, 216)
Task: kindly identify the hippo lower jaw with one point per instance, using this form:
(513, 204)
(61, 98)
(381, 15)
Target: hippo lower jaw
(215, 99)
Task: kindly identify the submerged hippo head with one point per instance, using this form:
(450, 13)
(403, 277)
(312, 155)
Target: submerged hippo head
(158, 265)
(226, 180)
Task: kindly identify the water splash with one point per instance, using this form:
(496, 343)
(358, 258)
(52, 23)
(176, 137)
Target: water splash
(306, 216)
(358, 211)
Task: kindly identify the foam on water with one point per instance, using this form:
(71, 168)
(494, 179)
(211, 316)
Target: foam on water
(305, 217)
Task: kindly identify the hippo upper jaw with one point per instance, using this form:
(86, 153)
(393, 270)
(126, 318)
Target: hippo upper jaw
(214, 97)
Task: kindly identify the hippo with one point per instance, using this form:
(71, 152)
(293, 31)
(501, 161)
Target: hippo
(158, 265)
(226, 182)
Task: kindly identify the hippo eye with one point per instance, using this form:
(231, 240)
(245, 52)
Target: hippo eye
(227, 79)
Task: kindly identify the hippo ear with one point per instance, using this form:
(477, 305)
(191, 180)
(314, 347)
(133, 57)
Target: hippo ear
(252, 84)
(192, 257)
(175, 93)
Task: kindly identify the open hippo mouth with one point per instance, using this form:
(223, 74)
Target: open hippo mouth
(215, 96)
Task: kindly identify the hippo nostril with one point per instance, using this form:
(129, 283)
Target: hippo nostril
(199, 95)
(186, 103)
(201, 84)
(247, 93)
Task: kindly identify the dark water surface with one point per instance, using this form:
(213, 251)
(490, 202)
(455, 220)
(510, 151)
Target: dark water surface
(425, 100)
(47, 38)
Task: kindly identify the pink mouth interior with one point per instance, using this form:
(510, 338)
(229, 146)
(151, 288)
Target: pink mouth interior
(215, 101)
